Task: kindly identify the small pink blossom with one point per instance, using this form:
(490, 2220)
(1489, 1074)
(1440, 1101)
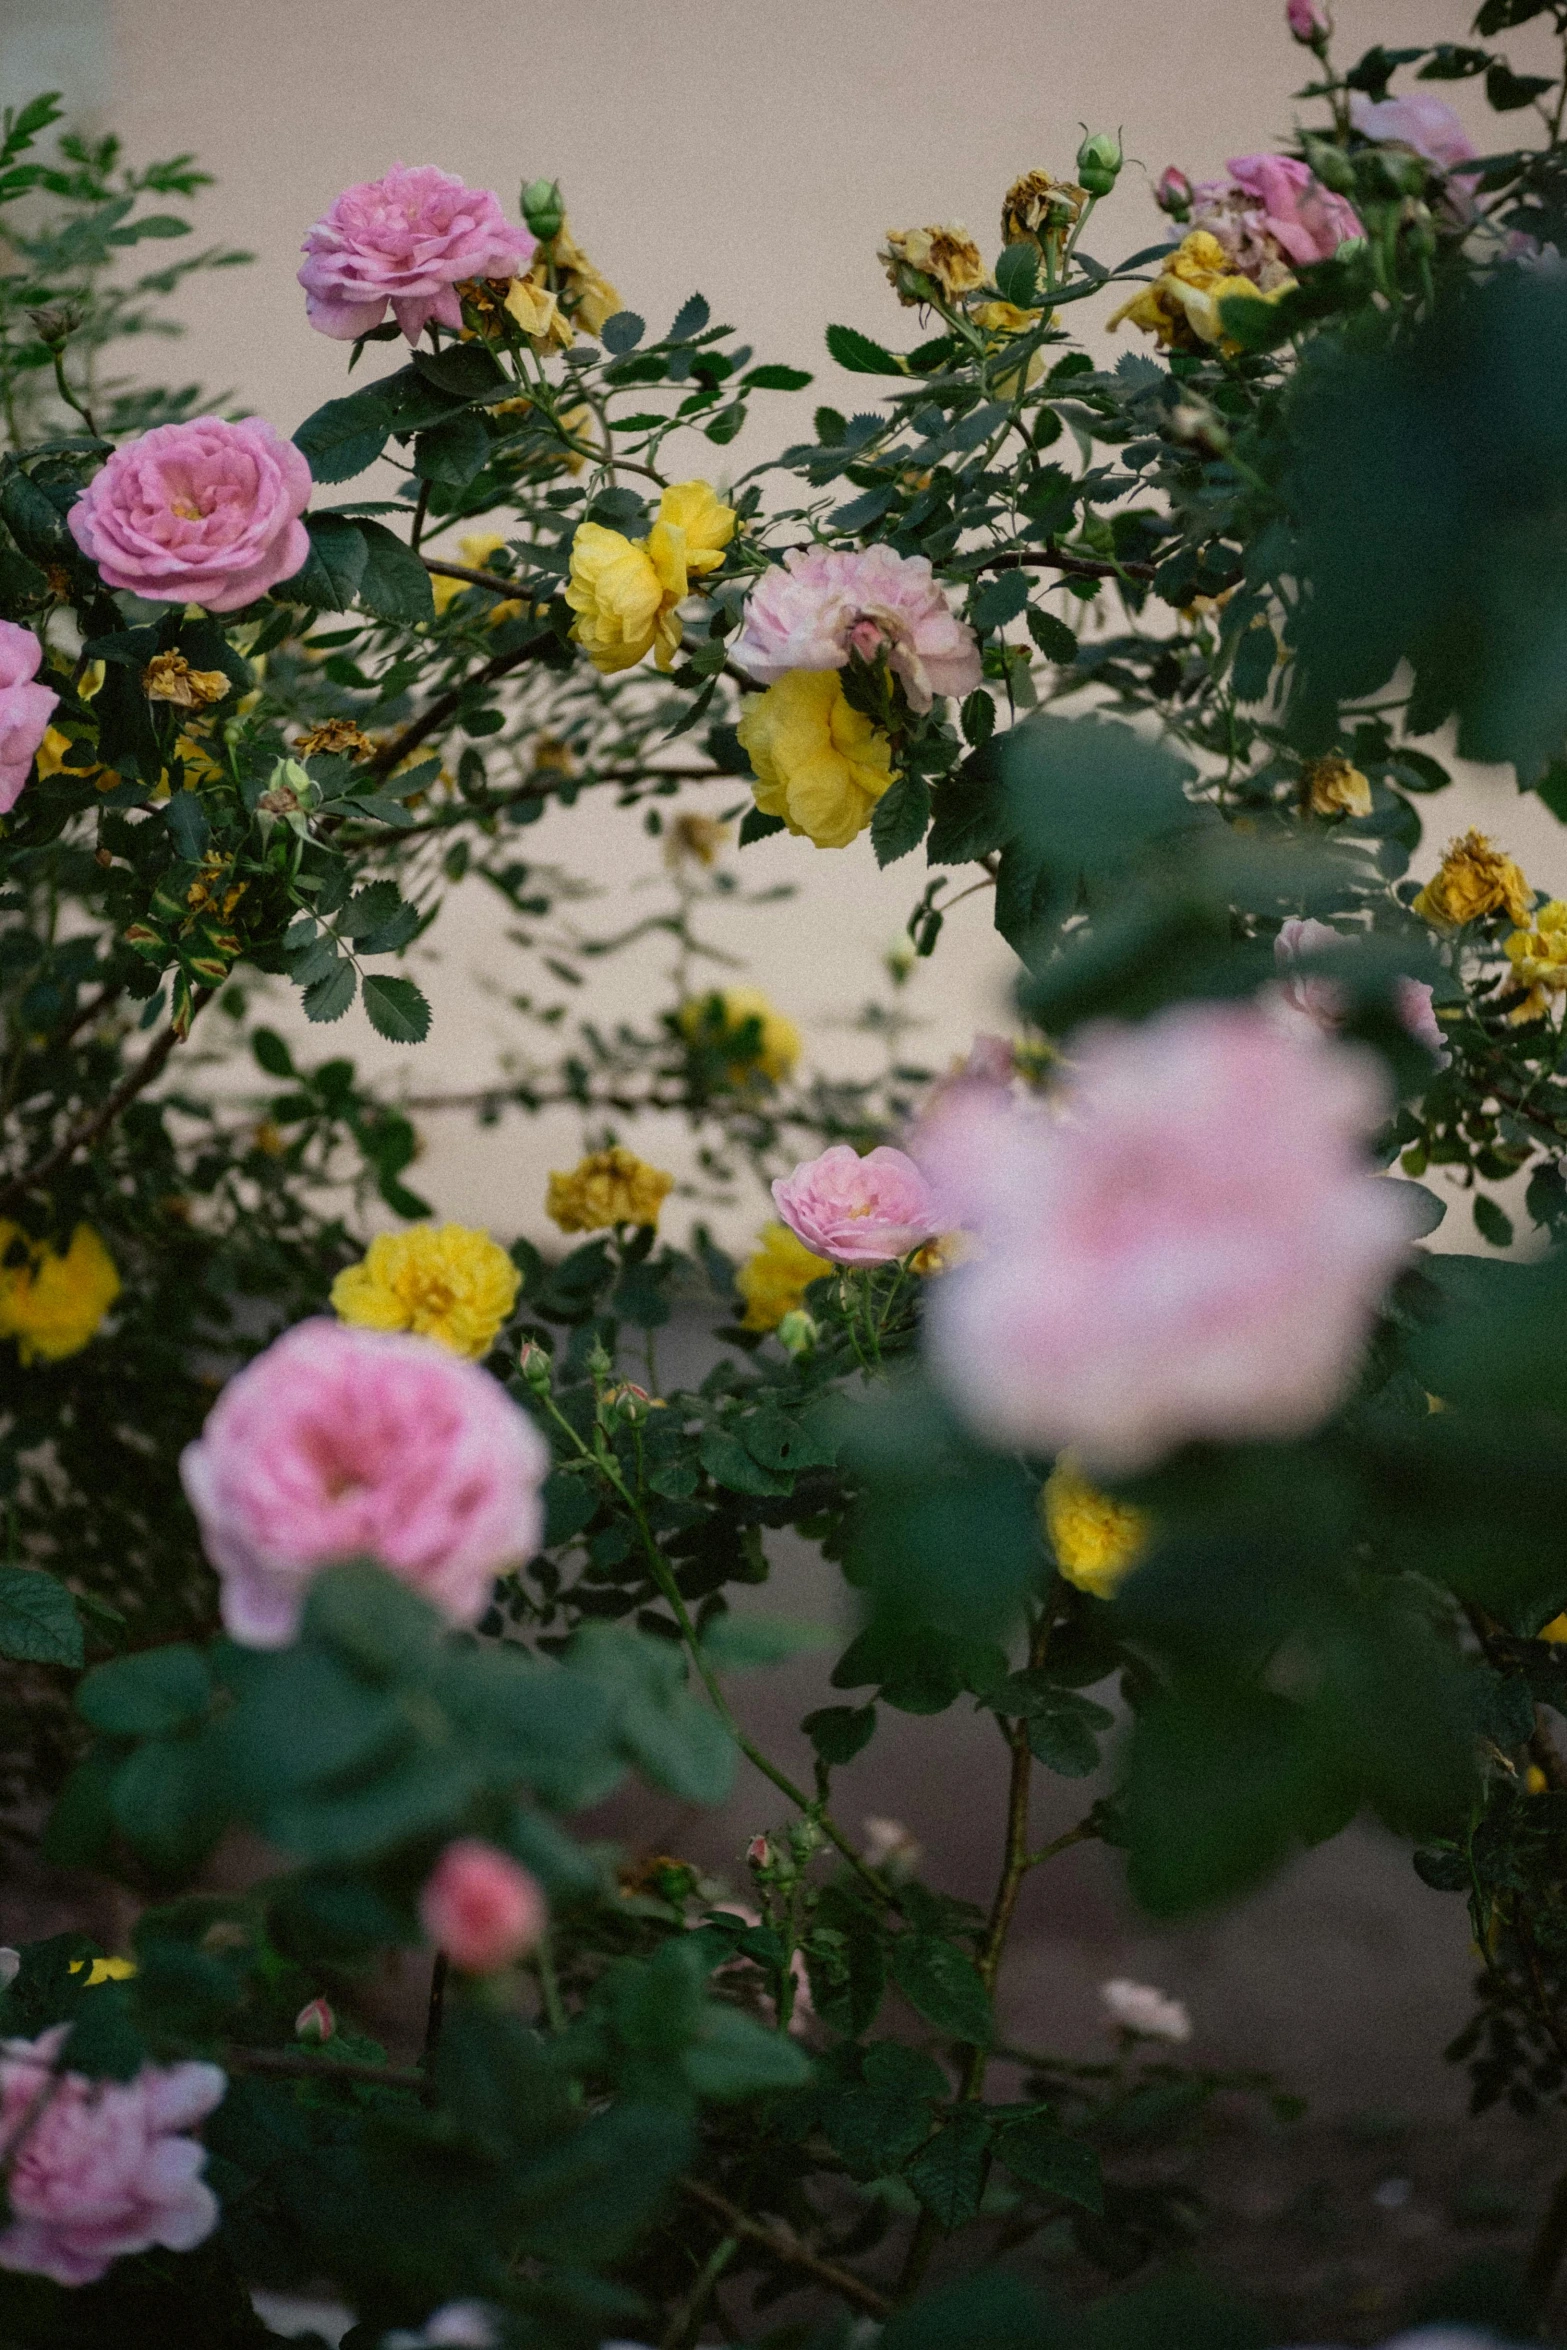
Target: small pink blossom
(25, 710)
(342, 1443)
(1151, 2014)
(1307, 221)
(481, 1908)
(97, 2169)
(407, 240)
(1320, 1000)
(199, 513)
(1173, 193)
(1421, 122)
(1307, 20)
(822, 603)
(1191, 1245)
(315, 2021)
(857, 1211)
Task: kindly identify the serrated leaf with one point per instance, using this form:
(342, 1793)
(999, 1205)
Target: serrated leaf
(398, 1009)
(344, 437)
(1016, 274)
(393, 583)
(331, 572)
(839, 1731)
(776, 379)
(454, 451)
(999, 601)
(369, 908)
(328, 998)
(690, 319)
(948, 2172)
(1054, 639)
(859, 354)
(38, 1620)
(979, 717)
(729, 1463)
(944, 1985)
(755, 826)
(1046, 2158)
(900, 819)
(623, 332)
(187, 820)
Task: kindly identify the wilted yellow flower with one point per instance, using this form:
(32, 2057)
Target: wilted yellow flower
(552, 756)
(774, 1280)
(442, 1281)
(1539, 960)
(1097, 1541)
(1005, 319)
(214, 890)
(336, 737)
(1182, 305)
(562, 291)
(1555, 1630)
(625, 591)
(1474, 879)
(719, 1018)
(1040, 210)
(819, 763)
(922, 262)
(169, 677)
(103, 1970)
(698, 837)
(1334, 788)
(607, 1187)
(537, 310)
(53, 1304)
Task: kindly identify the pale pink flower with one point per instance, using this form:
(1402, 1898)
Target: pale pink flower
(1307, 20)
(315, 2021)
(1421, 122)
(1320, 1000)
(25, 710)
(481, 1907)
(890, 1846)
(1191, 1246)
(199, 513)
(1307, 221)
(1139, 2008)
(341, 1443)
(857, 1211)
(10, 1965)
(822, 603)
(407, 239)
(97, 2169)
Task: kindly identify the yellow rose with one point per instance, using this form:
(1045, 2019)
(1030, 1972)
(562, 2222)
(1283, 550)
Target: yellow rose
(1097, 1541)
(445, 1282)
(53, 1304)
(774, 1281)
(607, 1187)
(718, 1019)
(1181, 307)
(819, 764)
(947, 259)
(1555, 1630)
(1334, 787)
(1539, 960)
(475, 550)
(585, 291)
(1474, 879)
(561, 292)
(538, 312)
(625, 591)
(103, 1970)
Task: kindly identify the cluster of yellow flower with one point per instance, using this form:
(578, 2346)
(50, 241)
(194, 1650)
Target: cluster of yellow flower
(446, 1282)
(774, 1280)
(1182, 306)
(53, 1303)
(605, 1189)
(719, 1020)
(625, 592)
(1475, 880)
(1097, 1541)
(820, 764)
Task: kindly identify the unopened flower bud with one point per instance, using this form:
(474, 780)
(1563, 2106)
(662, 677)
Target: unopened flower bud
(1308, 21)
(56, 322)
(797, 1332)
(315, 2021)
(536, 1366)
(632, 1404)
(805, 1837)
(1173, 192)
(1099, 162)
(543, 208)
(600, 1364)
(758, 1853)
(1330, 165)
(1401, 173)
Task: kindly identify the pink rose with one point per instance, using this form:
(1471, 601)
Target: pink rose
(1319, 1000)
(407, 239)
(1305, 220)
(342, 1443)
(857, 1211)
(199, 513)
(1307, 21)
(1173, 194)
(1421, 122)
(100, 2168)
(1190, 1245)
(25, 710)
(481, 1908)
(822, 603)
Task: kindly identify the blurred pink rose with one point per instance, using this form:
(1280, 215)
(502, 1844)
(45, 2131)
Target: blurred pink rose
(1305, 220)
(481, 1908)
(1320, 1000)
(821, 603)
(857, 1211)
(407, 239)
(1307, 20)
(199, 513)
(1421, 122)
(342, 1443)
(1192, 1245)
(25, 710)
(96, 2169)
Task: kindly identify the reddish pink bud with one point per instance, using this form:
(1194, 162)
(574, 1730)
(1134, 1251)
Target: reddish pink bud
(481, 1908)
(315, 2021)
(1308, 21)
(1174, 192)
(757, 1855)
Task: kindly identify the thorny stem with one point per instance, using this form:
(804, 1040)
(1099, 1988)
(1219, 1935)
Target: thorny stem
(435, 2013)
(87, 1133)
(421, 510)
(687, 2319)
(549, 1984)
(69, 397)
(446, 706)
(785, 2245)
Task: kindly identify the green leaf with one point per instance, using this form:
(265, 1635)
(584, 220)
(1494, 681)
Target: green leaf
(1044, 2157)
(1017, 273)
(1064, 1729)
(1491, 1222)
(452, 452)
(1256, 657)
(331, 572)
(990, 2310)
(147, 1695)
(729, 1462)
(671, 1734)
(166, 1805)
(838, 1732)
(622, 332)
(393, 583)
(735, 2056)
(755, 826)
(776, 379)
(999, 601)
(944, 1985)
(900, 819)
(188, 822)
(38, 1620)
(736, 1644)
(979, 717)
(948, 2172)
(860, 355)
(328, 998)
(345, 436)
(1506, 91)
(398, 1009)
(875, 2130)
(1054, 639)
(463, 371)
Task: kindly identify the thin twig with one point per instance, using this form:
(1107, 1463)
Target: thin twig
(495, 581)
(82, 1136)
(291, 2067)
(1074, 566)
(446, 705)
(785, 2245)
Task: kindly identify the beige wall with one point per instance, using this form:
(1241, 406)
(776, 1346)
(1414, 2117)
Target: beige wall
(756, 150)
